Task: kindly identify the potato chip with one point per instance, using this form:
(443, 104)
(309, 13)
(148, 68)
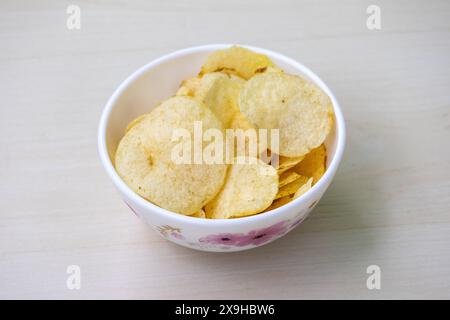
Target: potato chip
(265, 155)
(206, 82)
(292, 187)
(314, 164)
(273, 69)
(236, 78)
(183, 91)
(134, 122)
(144, 158)
(285, 163)
(248, 189)
(239, 121)
(236, 89)
(283, 170)
(287, 177)
(316, 122)
(199, 214)
(299, 109)
(236, 60)
(220, 93)
(278, 203)
(303, 188)
(189, 87)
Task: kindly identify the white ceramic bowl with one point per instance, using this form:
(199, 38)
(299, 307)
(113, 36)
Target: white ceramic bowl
(159, 80)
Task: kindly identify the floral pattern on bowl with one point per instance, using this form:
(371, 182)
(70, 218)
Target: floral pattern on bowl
(254, 237)
(225, 241)
(168, 231)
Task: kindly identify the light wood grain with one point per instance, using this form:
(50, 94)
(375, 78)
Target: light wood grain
(389, 204)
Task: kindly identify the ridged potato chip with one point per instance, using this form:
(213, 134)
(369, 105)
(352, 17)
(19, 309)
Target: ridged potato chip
(249, 189)
(143, 158)
(236, 60)
(299, 109)
(314, 164)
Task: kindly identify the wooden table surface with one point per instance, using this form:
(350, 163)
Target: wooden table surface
(389, 204)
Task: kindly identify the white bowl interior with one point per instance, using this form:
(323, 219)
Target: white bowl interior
(160, 79)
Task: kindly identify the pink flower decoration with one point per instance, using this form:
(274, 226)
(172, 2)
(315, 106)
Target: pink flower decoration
(263, 235)
(254, 237)
(223, 238)
(177, 235)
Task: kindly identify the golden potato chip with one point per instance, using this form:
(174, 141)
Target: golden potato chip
(236, 60)
(135, 122)
(264, 97)
(235, 89)
(285, 163)
(236, 78)
(299, 109)
(205, 83)
(249, 188)
(273, 69)
(266, 155)
(292, 187)
(278, 203)
(303, 188)
(183, 91)
(314, 164)
(199, 214)
(144, 158)
(189, 87)
(316, 122)
(220, 93)
(283, 170)
(239, 121)
(288, 177)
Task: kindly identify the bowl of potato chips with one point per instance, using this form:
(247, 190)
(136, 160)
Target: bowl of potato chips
(222, 147)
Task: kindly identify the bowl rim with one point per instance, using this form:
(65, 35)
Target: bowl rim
(308, 196)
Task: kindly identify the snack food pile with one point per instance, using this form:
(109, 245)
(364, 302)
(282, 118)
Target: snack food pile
(237, 90)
